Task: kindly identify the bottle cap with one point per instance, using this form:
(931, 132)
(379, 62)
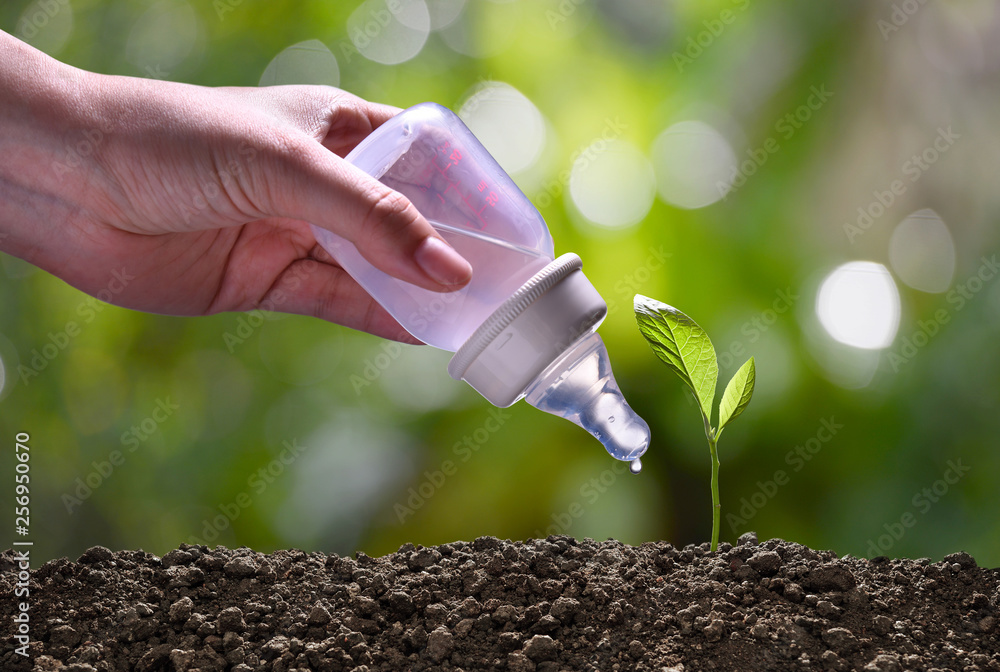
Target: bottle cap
(528, 332)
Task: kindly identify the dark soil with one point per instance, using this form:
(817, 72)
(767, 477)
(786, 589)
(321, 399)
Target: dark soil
(555, 604)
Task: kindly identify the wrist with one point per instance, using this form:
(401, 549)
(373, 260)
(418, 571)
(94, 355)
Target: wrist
(47, 121)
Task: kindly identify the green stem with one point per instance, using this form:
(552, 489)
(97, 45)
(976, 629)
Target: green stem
(716, 506)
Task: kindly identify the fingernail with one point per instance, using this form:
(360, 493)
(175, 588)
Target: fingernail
(442, 263)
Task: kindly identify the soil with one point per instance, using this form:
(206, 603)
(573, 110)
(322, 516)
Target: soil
(546, 605)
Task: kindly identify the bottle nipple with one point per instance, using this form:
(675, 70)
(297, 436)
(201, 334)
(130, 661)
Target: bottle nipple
(580, 387)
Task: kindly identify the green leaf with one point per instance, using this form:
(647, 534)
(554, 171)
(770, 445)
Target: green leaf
(682, 345)
(737, 394)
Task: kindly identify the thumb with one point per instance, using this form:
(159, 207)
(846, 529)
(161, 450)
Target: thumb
(313, 184)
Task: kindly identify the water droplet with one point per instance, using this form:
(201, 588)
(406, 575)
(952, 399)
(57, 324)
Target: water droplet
(636, 466)
(611, 419)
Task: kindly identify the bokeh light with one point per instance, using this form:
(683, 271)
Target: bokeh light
(612, 184)
(46, 25)
(444, 12)
(418, 380)
(9, 363)
(339, 479)
(694, 164)
(297, 408)
(389, 32)
(309, 62)
(858, 305)
(485, 28)
(645, 24)
(922, 252)
(507, 123)
(948, 38)
(846, 366)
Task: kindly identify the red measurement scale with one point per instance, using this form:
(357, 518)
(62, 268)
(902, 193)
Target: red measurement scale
(489, 197)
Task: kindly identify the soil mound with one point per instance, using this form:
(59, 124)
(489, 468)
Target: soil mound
(548, 605)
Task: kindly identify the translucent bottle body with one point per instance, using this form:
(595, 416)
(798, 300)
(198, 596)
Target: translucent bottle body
(428, 155)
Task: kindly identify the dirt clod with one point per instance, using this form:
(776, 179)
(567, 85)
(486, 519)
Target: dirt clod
(765, 563)
(240, 568)
(439, 644)
(537, 606)
(231, 620)
(541, 647)
(841, 639)
(829, 578)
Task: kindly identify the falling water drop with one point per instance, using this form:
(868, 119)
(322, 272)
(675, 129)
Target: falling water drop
(636, 466)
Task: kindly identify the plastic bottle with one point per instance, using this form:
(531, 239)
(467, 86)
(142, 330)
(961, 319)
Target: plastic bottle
(525, 324)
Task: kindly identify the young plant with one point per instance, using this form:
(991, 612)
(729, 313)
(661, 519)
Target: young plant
(685, 347)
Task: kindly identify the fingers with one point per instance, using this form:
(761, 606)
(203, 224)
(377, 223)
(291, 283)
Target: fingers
(336, 118)
(305, 181)
(351, 120)
(329, 293)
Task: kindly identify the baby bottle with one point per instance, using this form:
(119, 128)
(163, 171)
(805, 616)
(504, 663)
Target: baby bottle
(525, 324)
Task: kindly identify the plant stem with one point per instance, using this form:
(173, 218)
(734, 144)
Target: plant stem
(716, 506)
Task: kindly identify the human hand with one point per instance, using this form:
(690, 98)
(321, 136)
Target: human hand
(203, 196)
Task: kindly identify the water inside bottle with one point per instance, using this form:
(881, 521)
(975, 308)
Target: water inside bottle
(499, 268)
(511, 256)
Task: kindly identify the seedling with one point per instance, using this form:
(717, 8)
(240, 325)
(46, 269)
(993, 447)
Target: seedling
(685, 347)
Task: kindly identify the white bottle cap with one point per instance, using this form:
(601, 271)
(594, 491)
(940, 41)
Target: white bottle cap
(529, 331)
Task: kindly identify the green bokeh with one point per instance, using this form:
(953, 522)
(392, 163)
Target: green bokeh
(360, 457)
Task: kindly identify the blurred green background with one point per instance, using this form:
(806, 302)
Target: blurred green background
(857, 147)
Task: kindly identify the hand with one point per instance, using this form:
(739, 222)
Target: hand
(203, 196)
